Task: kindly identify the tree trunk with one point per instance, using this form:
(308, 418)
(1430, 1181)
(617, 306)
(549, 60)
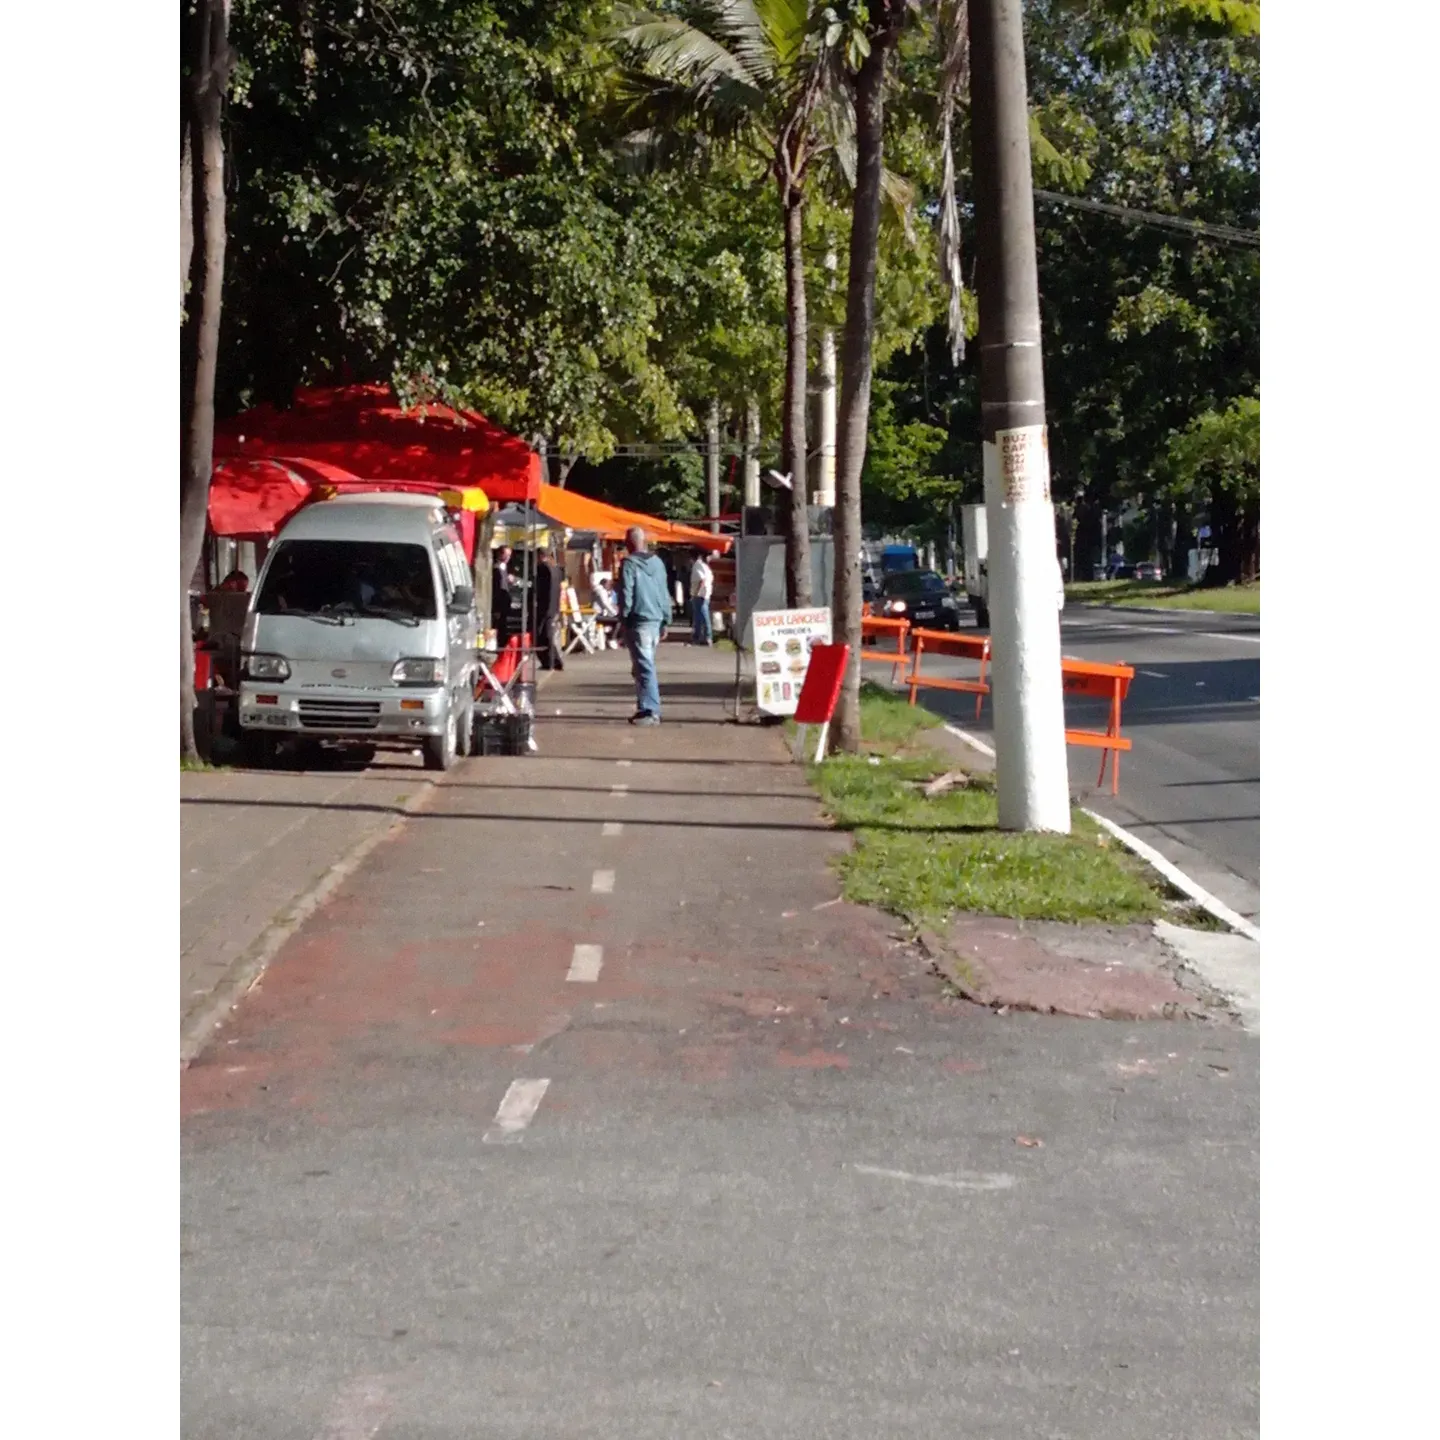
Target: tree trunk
(1250, 540)
(869, 85)
(792, 444)
(187, 201)
(1225, 537)
(208, 55)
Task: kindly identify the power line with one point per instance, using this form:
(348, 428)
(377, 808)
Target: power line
(1226, 234)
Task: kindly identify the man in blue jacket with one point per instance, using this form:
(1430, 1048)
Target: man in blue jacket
(646, 611)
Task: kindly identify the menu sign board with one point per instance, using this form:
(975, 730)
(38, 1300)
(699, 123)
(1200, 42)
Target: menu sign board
(783, 640)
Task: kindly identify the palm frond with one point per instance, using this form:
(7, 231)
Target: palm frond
(954, 32)
(768, 35)
(677, 50)
(898, 195)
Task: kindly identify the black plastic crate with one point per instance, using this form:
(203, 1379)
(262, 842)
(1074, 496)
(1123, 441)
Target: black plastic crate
(503, 734)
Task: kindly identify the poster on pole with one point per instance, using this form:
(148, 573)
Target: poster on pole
(1024, 463)
(781, 642)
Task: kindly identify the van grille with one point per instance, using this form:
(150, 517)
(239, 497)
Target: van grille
(318, 714)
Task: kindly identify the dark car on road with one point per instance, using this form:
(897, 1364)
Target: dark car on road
(1149, 570)
(920, 596)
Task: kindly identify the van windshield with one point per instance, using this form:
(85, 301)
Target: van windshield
(349, 577)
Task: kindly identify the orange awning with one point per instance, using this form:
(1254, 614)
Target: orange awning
(580, 512)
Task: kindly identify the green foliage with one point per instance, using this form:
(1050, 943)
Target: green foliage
(427, 193)
(902, 486)
(1219, 449)
(672, 487)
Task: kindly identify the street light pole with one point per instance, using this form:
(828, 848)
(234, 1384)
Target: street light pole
(1032, 779)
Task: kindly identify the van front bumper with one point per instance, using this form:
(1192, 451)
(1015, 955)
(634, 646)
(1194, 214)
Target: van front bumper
(340, 713)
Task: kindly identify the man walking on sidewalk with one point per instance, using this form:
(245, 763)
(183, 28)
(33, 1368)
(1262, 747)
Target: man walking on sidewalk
(702, 587)
(646, 612)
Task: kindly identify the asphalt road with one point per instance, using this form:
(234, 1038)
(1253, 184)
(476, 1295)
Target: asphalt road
(1191, 785)
(586, 1109)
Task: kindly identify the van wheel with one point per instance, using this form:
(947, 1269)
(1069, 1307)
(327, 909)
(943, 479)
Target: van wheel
(465, 741)
(439, 750)
(982, 615)
(260, 749)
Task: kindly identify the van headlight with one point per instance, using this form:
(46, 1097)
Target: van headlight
(265, 667)
(894, 607)
(421, 670)
(947, 603)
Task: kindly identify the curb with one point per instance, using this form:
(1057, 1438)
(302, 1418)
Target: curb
(1152, 857)
(247, 969)
(1178, 878)
(1160, 609)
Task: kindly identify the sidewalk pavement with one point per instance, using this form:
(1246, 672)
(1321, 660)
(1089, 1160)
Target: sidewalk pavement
(255, 847)
(586, 1106)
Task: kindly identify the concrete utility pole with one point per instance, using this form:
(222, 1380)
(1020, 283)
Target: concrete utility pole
(712, 466)
(826, 396)
(1031, 775)
(752, 453)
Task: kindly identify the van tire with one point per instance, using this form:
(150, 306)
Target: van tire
(465, 741)
(439, 750)
(260, 750)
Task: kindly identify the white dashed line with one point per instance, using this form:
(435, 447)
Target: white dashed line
(357, 1412)
(964, 1180)
(619, 789)
(516, 1111)
(602, 882)
(1220, 635)
(610, 829)
(624, 764)
(585, 966)
(1154, 674)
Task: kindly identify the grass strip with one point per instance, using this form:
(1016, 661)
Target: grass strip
(1163, 595)
(924, 858)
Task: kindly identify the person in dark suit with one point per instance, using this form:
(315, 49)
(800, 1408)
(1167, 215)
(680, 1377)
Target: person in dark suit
(548, 581)
(500, 587)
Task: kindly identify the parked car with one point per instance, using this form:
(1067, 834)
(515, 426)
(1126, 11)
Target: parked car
(1149, 570)
(921, 597)
(362, 631)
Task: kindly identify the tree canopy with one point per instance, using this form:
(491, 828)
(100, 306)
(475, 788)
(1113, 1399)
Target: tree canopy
(434, 194)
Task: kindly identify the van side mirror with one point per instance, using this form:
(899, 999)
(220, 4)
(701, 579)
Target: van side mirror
(462, 601)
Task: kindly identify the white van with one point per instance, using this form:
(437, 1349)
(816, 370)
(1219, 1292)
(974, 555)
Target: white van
(362, 629)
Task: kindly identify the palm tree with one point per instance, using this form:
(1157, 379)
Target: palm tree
(760, 73)
(881, 26)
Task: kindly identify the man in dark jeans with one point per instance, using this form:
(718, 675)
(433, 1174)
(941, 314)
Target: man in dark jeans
(645, 611)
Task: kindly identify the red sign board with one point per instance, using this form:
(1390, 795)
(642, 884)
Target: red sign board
(821, 691)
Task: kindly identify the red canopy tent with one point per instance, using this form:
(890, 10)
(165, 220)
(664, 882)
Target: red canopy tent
(251, 498)
(364, 430)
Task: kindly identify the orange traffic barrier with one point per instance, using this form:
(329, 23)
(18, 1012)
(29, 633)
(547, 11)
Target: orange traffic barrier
(1100, 682)
(874, 627)
(945, 642)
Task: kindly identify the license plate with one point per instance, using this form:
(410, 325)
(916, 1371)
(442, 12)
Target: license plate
(924, 614)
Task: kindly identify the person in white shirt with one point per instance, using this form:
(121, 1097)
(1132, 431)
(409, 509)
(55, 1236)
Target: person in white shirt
(702, 587)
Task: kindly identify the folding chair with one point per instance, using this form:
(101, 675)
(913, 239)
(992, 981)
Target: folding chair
(584, 631)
